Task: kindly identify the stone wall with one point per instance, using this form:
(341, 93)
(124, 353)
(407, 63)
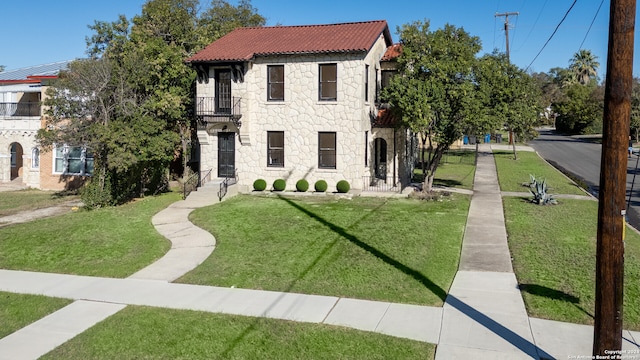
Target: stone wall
(301, 116)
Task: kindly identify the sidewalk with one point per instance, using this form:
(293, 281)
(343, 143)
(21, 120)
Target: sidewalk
(483, 316)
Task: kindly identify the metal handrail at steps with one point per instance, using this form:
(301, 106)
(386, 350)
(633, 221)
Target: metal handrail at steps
(195, 181)
(224, 185)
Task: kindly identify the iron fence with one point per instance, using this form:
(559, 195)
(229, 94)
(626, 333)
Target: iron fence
(376, 184)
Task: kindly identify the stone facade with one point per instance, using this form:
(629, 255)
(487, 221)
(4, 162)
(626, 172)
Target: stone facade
(302, 116)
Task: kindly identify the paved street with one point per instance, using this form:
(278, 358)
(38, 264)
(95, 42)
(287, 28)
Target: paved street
(581, 157)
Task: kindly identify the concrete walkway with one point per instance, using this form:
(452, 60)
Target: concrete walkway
(483, 316)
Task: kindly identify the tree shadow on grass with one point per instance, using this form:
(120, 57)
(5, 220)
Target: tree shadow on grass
(516, 340)
(553, 294)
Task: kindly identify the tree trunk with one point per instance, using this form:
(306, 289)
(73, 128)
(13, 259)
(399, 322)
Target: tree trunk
(515, 153)
(427, 185)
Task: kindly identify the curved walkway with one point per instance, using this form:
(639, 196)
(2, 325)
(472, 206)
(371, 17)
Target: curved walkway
(483, 316)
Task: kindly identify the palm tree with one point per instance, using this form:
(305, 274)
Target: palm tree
(583, 66)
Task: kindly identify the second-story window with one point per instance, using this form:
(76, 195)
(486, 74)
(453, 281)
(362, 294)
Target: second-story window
(275, 83)
(328, 82)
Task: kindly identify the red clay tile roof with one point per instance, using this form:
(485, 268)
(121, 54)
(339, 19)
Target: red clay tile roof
(386, 119)
(392, 53)
(246, 43)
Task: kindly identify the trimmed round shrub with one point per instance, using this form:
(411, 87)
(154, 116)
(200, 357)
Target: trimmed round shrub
(343, 186)
(302, 185)
(259, 185)
(321, 186)
(279, 185)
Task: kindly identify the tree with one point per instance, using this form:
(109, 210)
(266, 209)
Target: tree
(434, 92)
(635, 109)
(583, 66)
(511, 98)
(221, 18)
(134, 109)
(1, 68)
(582, 111)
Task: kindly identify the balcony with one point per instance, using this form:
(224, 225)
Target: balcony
(218, 110)
(19, 109)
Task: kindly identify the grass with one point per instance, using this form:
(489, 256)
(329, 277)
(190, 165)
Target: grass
(18, 310)
(110, 242)
(12, 202)
(456, 169)
(146, 333)
(397, 250)
(554, 256)
(513, 173)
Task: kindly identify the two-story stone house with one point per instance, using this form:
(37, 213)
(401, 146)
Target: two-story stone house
(300, 102)
(21, 115)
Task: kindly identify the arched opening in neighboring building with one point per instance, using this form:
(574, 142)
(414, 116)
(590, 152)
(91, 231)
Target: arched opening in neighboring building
(16, 160)
(380, 152)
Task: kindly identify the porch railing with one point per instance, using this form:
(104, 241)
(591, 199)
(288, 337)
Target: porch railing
(376, 184)
(224, 185)
(20, 109)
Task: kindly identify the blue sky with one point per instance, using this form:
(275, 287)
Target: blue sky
(44, 31)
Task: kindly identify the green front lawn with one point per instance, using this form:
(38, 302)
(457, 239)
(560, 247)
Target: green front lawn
(456, 169)
(396, 250)
(111, 242)
(554, 257)
(12, 202)
(513, 173)
(18, 310)
(147, 333)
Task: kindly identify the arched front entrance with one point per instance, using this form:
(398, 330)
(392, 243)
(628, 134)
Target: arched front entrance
(380, 147)
(16, 160)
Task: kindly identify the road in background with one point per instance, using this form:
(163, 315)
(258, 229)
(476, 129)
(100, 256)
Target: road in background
(580, 157)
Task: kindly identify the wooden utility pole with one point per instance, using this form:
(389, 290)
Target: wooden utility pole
(613, 175)
(506, 26)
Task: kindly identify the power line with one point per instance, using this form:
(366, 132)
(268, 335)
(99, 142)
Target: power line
(590, 25)
(534, 25)
(554, 32)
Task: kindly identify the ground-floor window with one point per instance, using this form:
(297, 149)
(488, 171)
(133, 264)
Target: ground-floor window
(275, 148)
(327, 150)
(35, 158)
(73, 160)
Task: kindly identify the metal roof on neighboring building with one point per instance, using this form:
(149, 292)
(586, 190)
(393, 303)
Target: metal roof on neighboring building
(244, 44)
(34, 71)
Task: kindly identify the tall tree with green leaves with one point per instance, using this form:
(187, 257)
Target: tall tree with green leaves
(131, 102)
(584, 66)
(512, 98)
(635, 109)
(434, 92)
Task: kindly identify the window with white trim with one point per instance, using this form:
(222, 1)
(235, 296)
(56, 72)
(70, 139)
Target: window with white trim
(73, 160)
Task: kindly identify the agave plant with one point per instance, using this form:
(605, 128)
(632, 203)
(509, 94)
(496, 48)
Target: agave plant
(539, 190)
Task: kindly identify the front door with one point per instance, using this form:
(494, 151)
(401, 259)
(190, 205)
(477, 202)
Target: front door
(380, 146)
(226, 154)
(223, 91)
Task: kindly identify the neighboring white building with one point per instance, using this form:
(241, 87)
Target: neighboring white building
(21, 116)
(300, 102)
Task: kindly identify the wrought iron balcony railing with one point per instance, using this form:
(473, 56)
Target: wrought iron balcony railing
(220, 107)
